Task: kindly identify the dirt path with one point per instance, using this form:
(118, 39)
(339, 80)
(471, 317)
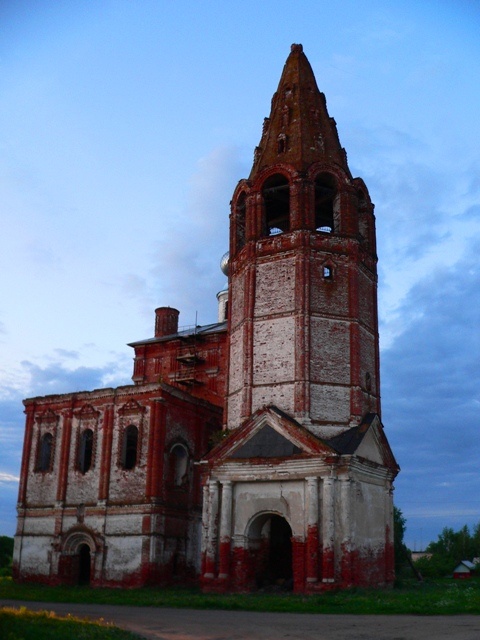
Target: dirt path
(190, 624)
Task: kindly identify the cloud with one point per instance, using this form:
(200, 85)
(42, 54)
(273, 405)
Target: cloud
(53, 378)
(426, 216)
(431, 394)
(186, 272)
(66, 354)
(57, 378)
(7, 478)
(11, 437)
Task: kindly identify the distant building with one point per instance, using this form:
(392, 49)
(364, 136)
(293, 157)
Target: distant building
(125, 487)
(416, 555)
(463, 570)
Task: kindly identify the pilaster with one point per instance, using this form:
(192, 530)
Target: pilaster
(312, 529)
(328, 556)
(225, 531)
(212, 530)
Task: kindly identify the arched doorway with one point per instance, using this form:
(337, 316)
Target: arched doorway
(84, 564)
(270, 544)
(80, 548)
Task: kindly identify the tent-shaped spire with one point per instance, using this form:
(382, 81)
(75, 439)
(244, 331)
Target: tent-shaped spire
(299, 130)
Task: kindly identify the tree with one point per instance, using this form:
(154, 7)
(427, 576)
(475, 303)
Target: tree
(399, 528)
(6, 553)
(449, 549)
(403, 558)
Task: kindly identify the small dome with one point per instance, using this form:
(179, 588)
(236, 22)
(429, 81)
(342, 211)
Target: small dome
(224, 263)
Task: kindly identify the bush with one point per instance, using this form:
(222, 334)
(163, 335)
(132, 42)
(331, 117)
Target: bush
(435, 566)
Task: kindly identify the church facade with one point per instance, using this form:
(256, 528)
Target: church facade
(249, 452)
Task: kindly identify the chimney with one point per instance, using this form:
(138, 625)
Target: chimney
(166, 321)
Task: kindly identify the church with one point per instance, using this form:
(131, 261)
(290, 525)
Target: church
(248, 453)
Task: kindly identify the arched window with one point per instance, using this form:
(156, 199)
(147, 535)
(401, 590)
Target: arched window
(85, 451)
(178, 465)
(325, 193)
(276, 202)
(240, 217)
(129, 447)
(45, 451)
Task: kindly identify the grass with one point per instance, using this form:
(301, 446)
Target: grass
(443, 597)
(21, 624)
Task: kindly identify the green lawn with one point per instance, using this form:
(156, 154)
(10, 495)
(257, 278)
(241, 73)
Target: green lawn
(428, 598)
(21, 624)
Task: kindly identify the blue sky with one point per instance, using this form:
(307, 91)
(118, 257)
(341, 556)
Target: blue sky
(124, 128)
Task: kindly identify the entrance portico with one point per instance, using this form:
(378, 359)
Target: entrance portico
(287, 520)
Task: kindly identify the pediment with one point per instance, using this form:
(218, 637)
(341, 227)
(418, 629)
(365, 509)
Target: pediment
(367, 441)
(266, 443)
(369, 448)
(270, 433)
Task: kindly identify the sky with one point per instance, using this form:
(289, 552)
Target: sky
(124, 129)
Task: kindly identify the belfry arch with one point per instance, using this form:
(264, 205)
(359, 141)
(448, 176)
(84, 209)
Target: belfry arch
(276, 204)
(325, 203)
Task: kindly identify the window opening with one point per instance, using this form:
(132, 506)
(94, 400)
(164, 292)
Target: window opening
(327, 272)
(324, 203)
(44, 460)
(179, 465)
(240, 215)
(130, 446)
(85, 453)
(276, 200)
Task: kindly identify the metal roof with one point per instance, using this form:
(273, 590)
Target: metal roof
(187, 332)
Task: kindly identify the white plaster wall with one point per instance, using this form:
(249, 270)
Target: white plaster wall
(124, 556)
(284, 497)
(42, 487)
(35, 555)
(123, 524)
(369, 448)
(39, 525)
(369, 515)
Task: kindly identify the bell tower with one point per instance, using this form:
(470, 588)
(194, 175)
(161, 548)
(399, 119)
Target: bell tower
(300, 488)
(303, 320)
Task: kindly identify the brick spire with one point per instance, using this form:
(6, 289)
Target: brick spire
(299, 130)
